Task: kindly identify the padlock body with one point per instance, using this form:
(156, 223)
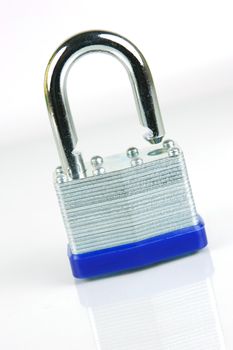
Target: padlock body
(131, 217)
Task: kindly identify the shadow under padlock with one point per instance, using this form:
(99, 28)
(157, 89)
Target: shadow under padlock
(168, 307)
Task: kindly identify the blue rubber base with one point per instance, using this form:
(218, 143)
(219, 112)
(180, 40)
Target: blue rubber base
(139, 254)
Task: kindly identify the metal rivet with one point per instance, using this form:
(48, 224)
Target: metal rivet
(173, 152)
(61, 179)
(97, 161)
(98, 171)
(59, 170)
(137, 161)
(132, 152)
(167, 144)
(59, 175)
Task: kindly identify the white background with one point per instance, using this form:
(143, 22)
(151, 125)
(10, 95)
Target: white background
(188, 46)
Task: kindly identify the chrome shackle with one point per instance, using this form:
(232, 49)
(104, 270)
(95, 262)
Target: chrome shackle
(56, 93)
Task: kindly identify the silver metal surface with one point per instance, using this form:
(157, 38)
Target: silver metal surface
(96, 161)
(97, 164)
(98, 171)
(56, 94)
(128, 205)
(168, 144)
(136, 162)
(173, 152)
(132, 152)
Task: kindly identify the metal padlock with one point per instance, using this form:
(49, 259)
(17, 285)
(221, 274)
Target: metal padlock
(113, 225)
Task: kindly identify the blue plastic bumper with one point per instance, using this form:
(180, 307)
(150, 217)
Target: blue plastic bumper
(139, 254)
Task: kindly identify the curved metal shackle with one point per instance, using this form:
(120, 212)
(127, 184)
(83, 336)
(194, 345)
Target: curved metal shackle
(56, 94)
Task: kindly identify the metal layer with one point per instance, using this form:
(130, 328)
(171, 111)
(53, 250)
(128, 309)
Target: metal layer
(127, 206)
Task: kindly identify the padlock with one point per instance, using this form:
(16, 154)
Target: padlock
(125, 211)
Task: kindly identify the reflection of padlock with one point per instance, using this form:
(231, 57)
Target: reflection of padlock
(171, 306)
(129, 210)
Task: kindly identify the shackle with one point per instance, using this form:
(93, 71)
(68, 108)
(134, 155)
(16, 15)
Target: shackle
(56, 92)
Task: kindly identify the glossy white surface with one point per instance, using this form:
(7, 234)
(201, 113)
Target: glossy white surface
(176, 305)
(184, 304)
(171, 306)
